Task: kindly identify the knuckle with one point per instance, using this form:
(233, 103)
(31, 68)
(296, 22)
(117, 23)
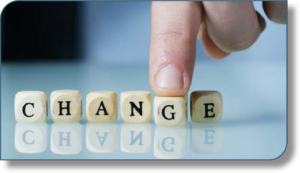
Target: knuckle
(235, 42)
(176, 35)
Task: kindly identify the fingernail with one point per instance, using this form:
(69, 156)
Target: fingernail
(169, 77)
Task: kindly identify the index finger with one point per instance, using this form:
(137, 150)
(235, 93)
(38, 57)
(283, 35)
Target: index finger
(173, 46)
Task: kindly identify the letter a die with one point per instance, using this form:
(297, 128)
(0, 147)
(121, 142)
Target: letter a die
(136, 106)
(170, 111)
(102, 107)
(206, 106)
(31, 107)
(66, 106)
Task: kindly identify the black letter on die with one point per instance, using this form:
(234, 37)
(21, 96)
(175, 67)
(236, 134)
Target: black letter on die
(103, 109)
(61, 108)
(163, 112)
(24, 108)
(209, 110)
(139, 110)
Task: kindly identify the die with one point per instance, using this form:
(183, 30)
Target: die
(66, 106)
(170, 111)
(206, 106)
(136, 106)
(102, 107)
(31, 107)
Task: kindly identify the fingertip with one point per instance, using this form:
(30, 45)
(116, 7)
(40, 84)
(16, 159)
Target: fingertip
(166, 92)
(171, 81)
(211, 49)
(276, 11)
(173, 47)
(261, 21)
(233, 26)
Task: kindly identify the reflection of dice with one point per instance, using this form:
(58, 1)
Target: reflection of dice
(206, 138)
(31, 106)
(66, 138)
(170, 143)
(170, 111)
(31, 138)
(136, 106)
(101, 138)
(66, 106)
(102, 106)
(206, 106)
(136, 138)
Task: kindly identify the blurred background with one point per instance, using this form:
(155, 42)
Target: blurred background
(104, 32)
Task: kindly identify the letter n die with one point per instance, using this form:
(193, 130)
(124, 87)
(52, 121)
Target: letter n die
(31, 106)
(170, 111)
(66, 106)
(136, 106)
(206, 106)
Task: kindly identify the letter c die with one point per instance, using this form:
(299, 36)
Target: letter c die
(31, 107)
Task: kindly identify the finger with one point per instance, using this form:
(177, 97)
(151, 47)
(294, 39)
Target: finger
(173, 46)
(276, 11)
(261, 22)
(210, 48)
(232, 26)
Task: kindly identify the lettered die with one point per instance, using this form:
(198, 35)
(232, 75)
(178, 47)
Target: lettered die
(206, 106)
(31, 106)
(170, 111)
(136, 106)
(66, 106)
(102, 107)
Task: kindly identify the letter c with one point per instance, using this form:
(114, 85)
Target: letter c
(24, 109)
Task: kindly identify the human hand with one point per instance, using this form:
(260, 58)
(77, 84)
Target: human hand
(223, 27)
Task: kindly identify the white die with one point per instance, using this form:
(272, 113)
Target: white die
(170, 111)
(66, 106)
(31, 106)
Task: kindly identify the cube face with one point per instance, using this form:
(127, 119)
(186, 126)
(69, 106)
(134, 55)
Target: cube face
(170, 111)
(102, 107)
(66, 106)
(206, 106)
(31, 107)
(136, 106)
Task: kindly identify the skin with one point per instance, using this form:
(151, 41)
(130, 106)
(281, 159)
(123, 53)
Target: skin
(223, 27)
